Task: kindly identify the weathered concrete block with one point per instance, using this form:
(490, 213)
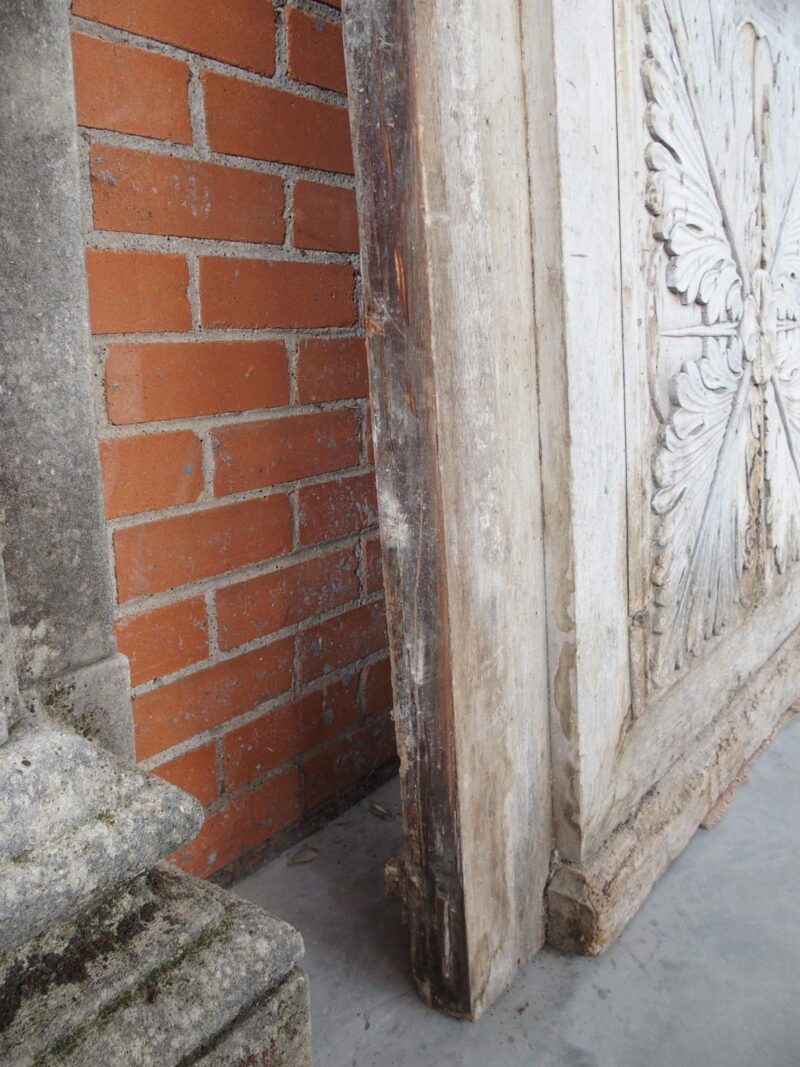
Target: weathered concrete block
(75, 824)
(274, 1033)
(94, 701)
(55, 984)
(167, 971)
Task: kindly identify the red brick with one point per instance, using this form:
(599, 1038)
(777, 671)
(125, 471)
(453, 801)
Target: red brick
(316, 54)
(177, 380)
(177, 711)
(136, 292)
(284, 732)
(153, 471)
(195, 771)
(324, 217)
(346, 763)
(253, 454)
(331, 369)
(260, 122)
(333, 3)
(159, 555)
(130, 90)
(242, 825)
(257, 293)
(241, 32)
(373, 565)
(342, 640)
(164, 640)
(336, 508)
(268, 603)
(140, 192)
(376, 687)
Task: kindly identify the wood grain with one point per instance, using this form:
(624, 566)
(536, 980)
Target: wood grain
(437, 114)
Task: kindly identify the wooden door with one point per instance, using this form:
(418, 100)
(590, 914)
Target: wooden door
(580, 235)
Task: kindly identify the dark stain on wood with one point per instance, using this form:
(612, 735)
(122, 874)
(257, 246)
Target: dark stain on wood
(380, 46)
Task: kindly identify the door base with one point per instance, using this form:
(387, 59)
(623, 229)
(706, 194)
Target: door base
(589, 903)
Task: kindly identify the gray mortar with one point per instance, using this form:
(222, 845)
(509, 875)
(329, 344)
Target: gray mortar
(191, 248)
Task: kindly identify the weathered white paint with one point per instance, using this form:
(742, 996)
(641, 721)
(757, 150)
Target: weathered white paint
(609, 202)
(569, 61)
(477, 217)
(705, 98)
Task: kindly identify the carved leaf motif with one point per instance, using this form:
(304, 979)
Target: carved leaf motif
(724, 191)
(782, 420)
(786, 269)
(701, 495)
(782, 188)
(701, 464)
(681, 191)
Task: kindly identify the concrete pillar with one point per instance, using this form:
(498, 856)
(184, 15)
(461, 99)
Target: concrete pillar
(59, 582)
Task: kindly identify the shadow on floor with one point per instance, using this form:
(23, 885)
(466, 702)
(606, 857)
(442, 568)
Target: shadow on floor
(706, 975)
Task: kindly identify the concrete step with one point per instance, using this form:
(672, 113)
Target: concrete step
(168, 971)
(76, 824)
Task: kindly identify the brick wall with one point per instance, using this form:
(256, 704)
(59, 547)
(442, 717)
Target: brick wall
(223, 290)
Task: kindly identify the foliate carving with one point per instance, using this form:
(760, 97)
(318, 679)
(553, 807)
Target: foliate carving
(724, 194)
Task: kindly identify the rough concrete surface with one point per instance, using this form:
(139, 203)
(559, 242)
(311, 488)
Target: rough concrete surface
(43, 986)
(56, 563)
(71, 842)
(274, 1033)
(9, 690)
(60, 597)
(169, 970)
(95, 701)
(706, 975)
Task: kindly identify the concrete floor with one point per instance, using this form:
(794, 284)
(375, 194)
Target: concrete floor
(706, 975)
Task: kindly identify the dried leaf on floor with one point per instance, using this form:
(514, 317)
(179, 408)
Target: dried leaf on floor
(305, 855)
(380, 811)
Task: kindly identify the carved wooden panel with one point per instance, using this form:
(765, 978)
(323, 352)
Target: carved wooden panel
(718, 452)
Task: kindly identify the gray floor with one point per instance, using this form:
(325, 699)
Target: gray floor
(706, 975)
